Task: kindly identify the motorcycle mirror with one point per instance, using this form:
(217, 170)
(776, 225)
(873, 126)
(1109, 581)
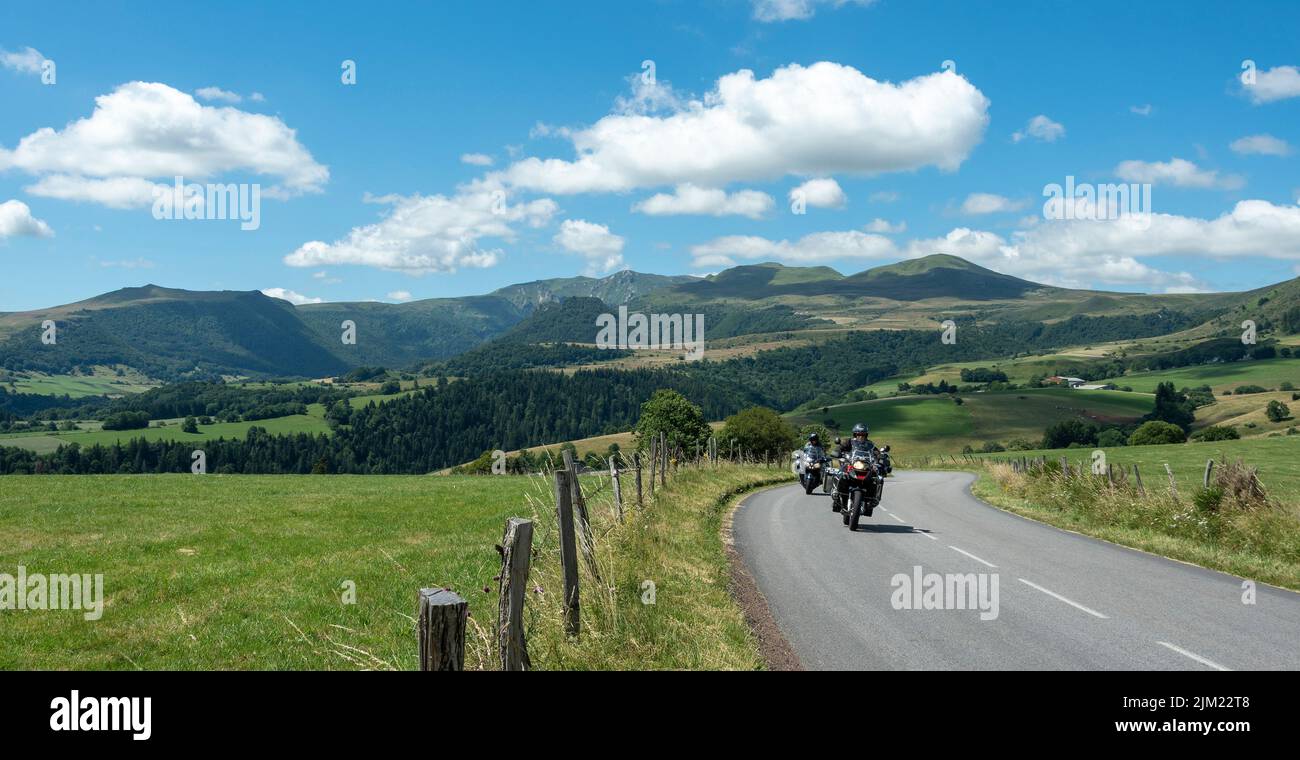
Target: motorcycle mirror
(886, 447)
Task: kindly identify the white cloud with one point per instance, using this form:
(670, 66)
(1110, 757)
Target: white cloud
(687, 198)
(297, 299)
(426, 234)
(822, 193)
(884, 227)
(1265, 145)
(400, 295)
(788, 10)
(16, 219)
(147, 130)
(26, 61)
(602, 249)
(814, 248)
(216, 93)
(816, 120)
(257, 97)
(114, 192)
(1177, 172)
(884, 196)
(1075, 253)
(988, 203)
(1040, 128)
(476, 159)
(1142, 110)
(1278, 83)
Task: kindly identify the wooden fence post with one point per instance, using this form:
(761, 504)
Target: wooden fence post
(663, 455)
(516, 556)
(585, 538)
(618, 488)
(441, 628)
(1209, 468)
(568, 551)
(654, 461)
(1137, 477)
(636, 463)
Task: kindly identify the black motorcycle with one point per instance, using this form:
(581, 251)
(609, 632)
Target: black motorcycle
(860, 482)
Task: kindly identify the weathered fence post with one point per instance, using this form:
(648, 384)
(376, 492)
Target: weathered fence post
(636, 463)
(441, 628)
(618, 488)
(654, 461)
(1209, 468)
(585, 538)
(1137, 477)
(516, 556)
(663, 464)
(568, 551)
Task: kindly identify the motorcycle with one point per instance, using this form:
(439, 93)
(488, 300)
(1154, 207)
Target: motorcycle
(860, 483)
(811, 467)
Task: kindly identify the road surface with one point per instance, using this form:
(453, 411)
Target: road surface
(1063, 601)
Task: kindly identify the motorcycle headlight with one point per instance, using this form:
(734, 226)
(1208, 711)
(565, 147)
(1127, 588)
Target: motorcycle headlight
(859, 465)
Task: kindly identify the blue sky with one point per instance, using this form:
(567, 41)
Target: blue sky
(382, 189)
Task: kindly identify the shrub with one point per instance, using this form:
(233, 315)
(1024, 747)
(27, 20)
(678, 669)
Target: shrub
(759, 431)
(1216, 433)
(1111, 438)
(1242, 390)
(1155, 432)
(1276, 411)
(992, 447)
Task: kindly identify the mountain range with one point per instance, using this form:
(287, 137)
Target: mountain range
(172, 334)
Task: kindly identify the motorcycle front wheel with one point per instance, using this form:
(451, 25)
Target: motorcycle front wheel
(808, 485)
(855, 511)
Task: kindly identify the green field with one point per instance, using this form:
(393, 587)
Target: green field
(917, 425)
(248, 572)
(313, 422)
(1269, 373)
(103, 382)
(1278, 460)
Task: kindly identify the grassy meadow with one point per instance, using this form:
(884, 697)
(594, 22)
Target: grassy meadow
(248, 572)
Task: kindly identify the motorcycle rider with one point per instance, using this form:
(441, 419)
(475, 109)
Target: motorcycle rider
(860, 442)
(814, 447)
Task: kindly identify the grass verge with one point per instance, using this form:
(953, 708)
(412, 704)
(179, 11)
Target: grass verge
(1259, 541)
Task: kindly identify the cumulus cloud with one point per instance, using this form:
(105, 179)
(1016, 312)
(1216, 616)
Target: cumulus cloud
(812, 121)
(1040, 128)
(1176, 172)
(818, 247)
(25, 61)
(297, 299)
(16, 219)
(476, 159)
(427, 234)
(602, 249)
(988, 203)
(1264, 145)
(216, 93)
(1278, 83)
(789, 10)
(147, 130)
(687, 198)
(400, 295)
(821, 193)
(1068, 253)
(884, 227)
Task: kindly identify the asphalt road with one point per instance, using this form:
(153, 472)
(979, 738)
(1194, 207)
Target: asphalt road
(1064, 601)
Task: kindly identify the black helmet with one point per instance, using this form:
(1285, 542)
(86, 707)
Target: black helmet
(813, 438)
(860, 428)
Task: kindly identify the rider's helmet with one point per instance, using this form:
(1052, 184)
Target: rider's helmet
(860, 430)
(813, 439)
